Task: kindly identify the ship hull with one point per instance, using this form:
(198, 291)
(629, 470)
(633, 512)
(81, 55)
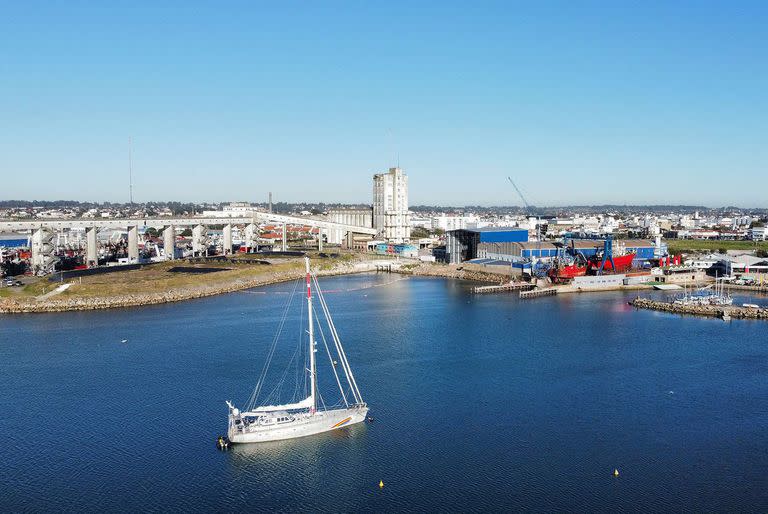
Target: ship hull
(623, 263)
(323, 421)
(567, 273)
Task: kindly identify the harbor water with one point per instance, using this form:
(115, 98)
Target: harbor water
(480, 403)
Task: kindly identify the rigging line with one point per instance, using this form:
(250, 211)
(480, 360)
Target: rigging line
(339, 348)
(356, 390)
(321, 400)
(344, 364)
(279, 384)
(255, 395)
(299, 372)
(333, 366)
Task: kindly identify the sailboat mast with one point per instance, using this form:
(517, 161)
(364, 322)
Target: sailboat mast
(312, 378)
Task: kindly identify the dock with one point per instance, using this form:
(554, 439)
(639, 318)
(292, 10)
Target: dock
(384, 268)
(511, 286)
(535, 293)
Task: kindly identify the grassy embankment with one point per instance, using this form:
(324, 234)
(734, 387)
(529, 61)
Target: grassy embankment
(705, 246)
(158, 278)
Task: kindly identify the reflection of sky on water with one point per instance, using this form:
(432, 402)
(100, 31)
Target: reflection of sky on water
(481, 402)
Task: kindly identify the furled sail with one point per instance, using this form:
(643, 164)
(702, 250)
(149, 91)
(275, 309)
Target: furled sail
(303, 404)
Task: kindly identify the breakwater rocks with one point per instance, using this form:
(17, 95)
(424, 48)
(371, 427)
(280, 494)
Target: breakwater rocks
(715, 311)
(60, 304)
(448, 271)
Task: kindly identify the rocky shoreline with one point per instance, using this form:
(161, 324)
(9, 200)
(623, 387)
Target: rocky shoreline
(455, 272)
(62, 304)
(701, 310)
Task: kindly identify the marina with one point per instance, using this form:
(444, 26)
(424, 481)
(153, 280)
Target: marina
(535, 394)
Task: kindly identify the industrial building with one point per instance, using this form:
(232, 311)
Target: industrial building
(488, 243)
(390, 206)
(645, 249)
(358, 217)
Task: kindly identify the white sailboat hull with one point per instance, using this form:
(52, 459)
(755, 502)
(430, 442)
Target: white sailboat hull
(303, 425)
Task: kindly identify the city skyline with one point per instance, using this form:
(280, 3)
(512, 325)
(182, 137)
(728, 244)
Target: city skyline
(581, 105)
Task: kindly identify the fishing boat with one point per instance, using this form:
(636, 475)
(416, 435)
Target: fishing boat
(266, 419)
(565, 269)
(622, 259)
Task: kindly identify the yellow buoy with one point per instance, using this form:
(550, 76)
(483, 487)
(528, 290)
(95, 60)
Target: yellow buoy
(615, 472)
(381, 484)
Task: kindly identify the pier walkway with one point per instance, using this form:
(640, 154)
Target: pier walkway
(512, 286)
(535, 293)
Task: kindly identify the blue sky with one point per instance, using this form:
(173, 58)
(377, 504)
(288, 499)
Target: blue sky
(580, 102)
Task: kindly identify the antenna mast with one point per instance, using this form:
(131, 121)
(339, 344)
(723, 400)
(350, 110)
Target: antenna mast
(130, 172)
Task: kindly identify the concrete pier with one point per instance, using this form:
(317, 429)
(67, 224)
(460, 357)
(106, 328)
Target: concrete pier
(227, 240)
(717, 311)
(511, 286)
(169, 242)
(133, 243)
(91, 247)
(42, 249)
(251, 236)
(535, 293)
(200, 241)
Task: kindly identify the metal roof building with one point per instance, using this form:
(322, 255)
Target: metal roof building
(645, 249)
(488, 242)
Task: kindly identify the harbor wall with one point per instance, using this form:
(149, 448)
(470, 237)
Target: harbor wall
(715, 311)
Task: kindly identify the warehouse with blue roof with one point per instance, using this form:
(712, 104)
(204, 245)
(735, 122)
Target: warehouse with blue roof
(511, 245)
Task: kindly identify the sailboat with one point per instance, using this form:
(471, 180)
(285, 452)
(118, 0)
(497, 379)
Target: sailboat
(261, 423)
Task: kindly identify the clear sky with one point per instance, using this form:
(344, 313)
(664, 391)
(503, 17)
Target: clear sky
(580, 102)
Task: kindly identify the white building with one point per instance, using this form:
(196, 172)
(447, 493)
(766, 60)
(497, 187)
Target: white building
(447, 223)
(233, 210)
(355, 217)
(390, 206)
(758, 234)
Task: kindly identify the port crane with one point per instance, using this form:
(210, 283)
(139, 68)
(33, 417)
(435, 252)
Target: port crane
(538, 268)
(520, 193)
(607, 254)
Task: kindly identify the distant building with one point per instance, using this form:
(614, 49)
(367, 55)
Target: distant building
(446, 223)
(758, 234)
(390, 206)
(356, 217)
(233, 210)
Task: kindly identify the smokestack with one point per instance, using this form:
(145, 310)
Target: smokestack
(270, 202)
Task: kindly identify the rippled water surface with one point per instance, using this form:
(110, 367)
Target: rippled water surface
(480, 403)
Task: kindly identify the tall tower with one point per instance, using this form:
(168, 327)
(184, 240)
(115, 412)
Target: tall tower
(390, 206)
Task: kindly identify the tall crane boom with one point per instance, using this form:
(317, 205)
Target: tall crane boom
(525, 202)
